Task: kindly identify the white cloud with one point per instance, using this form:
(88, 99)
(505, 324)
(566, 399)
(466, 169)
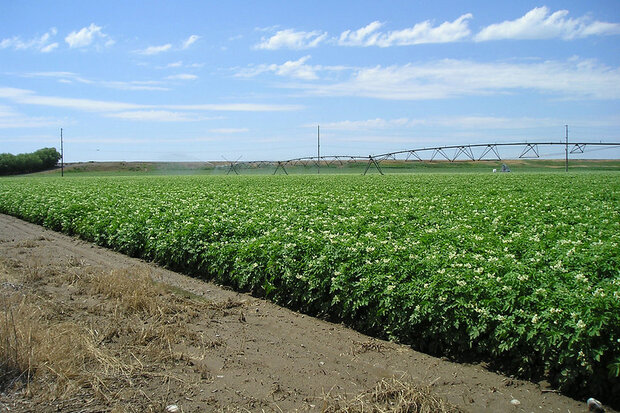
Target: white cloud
(70, 77)
(490, 122)
(238, 107)
(182, 76)
(28, 97)
(6, 111)
(49, 47)
(156, 116)
(539, 24)
(459, 122)
(377, 123)
(151, 50)
(63, 77)
(179, 64)
(189, 41)
(291, 39)
(133, 85)
(41, 43)
(364, 36)
(86, 36)
(229, 130)
(10, 119)
(420, 33)
(267, 29)
(297, 69)
(448, 78)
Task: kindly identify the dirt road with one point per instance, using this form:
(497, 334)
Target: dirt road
(267, 358)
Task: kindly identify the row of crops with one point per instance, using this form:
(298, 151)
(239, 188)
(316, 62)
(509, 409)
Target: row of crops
(521, 270)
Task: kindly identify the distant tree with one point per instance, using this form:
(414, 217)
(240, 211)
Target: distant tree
(45, 158)
(49, 157)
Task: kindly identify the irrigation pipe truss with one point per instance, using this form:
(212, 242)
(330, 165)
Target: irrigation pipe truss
(487, 152)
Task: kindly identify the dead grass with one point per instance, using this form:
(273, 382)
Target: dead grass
(16, 341)
(50, 357)
(390, 395)
(52, 354)
(134, 291)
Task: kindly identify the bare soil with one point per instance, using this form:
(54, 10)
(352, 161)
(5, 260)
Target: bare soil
(231, 352)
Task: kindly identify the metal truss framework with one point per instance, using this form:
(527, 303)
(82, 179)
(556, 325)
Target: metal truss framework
(307, 162)
(488, 152)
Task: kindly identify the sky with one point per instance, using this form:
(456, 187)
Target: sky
(208, 80)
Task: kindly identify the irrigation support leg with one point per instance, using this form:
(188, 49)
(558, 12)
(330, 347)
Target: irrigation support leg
(566, 150)
(232, 168)
(377, 165)
(373, 161)
(280, 165)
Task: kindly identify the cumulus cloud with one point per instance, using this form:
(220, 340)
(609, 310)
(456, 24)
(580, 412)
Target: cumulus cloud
(449, 78)
(182, 76)
(41, 43)
(364, 36)
(49, 47)
(539, 23)
(151, 50)
(292, 68)
(189, 41)
(420, 33)
(297, 69)
(86, 36)
(291, 39)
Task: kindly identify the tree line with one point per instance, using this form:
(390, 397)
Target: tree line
(23, 163)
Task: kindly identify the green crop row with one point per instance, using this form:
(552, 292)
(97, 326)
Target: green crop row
(521, 270)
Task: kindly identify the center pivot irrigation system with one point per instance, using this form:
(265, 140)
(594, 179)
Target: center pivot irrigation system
(486, 152)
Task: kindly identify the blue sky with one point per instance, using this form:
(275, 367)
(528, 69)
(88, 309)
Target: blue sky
(198, 80)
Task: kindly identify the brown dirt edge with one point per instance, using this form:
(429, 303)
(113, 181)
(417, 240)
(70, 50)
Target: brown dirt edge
(246, 354)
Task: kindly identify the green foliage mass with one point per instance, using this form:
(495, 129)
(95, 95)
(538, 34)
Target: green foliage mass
(24, 163)
(522, 270)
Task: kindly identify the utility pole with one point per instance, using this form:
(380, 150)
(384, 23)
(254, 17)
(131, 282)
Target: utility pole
(566, 150)
(318, 148)
(62, 156)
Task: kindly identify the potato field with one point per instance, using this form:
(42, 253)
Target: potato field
(520, 271)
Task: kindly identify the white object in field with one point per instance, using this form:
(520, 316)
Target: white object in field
(595, 406)
(172, 408)
(515, 402)
(494, 170)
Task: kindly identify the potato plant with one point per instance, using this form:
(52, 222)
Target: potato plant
(519, 270)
